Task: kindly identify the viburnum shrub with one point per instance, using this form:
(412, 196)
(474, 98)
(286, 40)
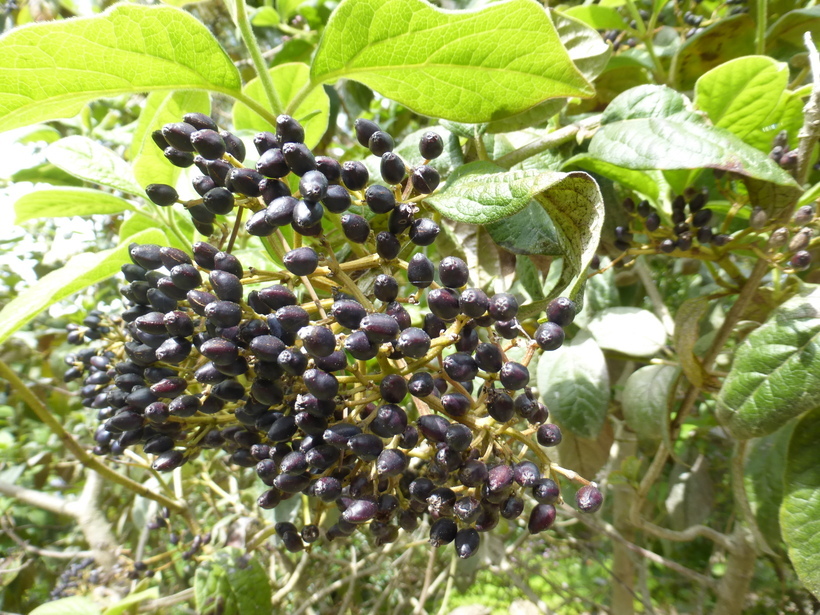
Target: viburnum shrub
(462, 266)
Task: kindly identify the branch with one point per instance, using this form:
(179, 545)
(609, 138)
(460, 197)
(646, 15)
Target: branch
(38, 499)
(550, 141)
(810, 131)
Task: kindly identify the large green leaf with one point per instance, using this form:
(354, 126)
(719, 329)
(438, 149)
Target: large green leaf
(481, 193)
(646, 101)
(51, 70)
(85, 158)
(668, 144)
(148, 163)
(800, 511)
(78, 273)
(628, 330)
(313, 112)
(588, 52)
(776, 372)
(232, 584)
(574, 384)
(742, 95)
(763, 480)
(61, 202)
(645, 400)
(466, 66)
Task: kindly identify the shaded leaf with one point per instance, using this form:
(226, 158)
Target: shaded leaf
(574, 384)
(61, 202)
(687, 333)
(597, 16)
(288, 79)
(691, 494)
(784, 38)
(639, 181)
(128, 48)
(232, 584)
(79, 272)
(466, 66)
(645, 400)
(584, 455)
(800, 511)
(776, 371)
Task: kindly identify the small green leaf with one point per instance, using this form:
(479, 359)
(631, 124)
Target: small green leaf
(78, 273)
(645, 400)
(130, 600)
(232, 583)
(288, 79)
(776, 372)
(741, 95)
(639, 181)
(61, 202)
(75, 605)
(85, 158)
(763, 480)
(800, 511)
(687, 333)
(574, 384)
(286, 8)
(148, 163)
(265, 17)
(628, 330)
(666, 144)
(466, 66)
(128, 48)
(597, 16)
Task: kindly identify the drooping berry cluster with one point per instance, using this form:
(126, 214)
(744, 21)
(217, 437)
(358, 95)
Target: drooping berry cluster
(320, 382)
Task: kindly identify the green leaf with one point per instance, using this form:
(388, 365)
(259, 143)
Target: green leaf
(588, 52)
(61, 202)
(85, 158)
(645, 400)
(776, 372)
(800, 511)
(639, 181)
(148, 163)
(741, 95)
(728, 38)
(666, 144)
(646, 101)
(75, 605)
(574, 384)
(232, 584)
(287, 8)
(481, 193)
(288, 79)
(265, 17)
(763, 480)
(687, 333)
(130, 600)
(628, 330)
(51, 70)
(466, 66)
(530, 231)
(597, 16)
(78, 273)
(785, 37)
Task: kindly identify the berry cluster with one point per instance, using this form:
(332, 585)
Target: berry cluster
(320, 382)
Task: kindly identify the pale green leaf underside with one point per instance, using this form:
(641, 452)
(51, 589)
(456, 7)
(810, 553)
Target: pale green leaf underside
(800, 510)
(638, 181)
(51, 70)
(644, 400)
(776, 372)
(61, 202)
(79, 272)
(667, 144)
(148, 163)
(574, 384)
(288, 79)
(741, 94)
(465, 66)
(88, 160)
(631, 331)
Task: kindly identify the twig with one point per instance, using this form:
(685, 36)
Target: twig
(154, 606)
(658, 304)
(810, 132)
(428, 578)
(7, 528)
(78, 451)
(550, 141)
(245, 29)
(293, 579)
